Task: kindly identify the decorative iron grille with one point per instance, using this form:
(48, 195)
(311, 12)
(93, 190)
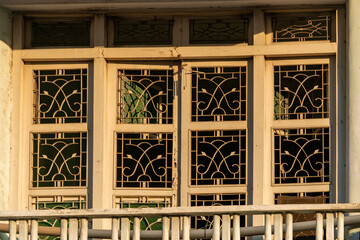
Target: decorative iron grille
(206, 222)
(301, 28)
(56, 203)
(60, 34)
(219, 94)
(146, 223)
(302, 198)
(219, 31)
(155, 32)
(60, 96)
(59, 159)
(301, 155)
(146, 96)
(218, 157)
(301, 91)
(144, 160)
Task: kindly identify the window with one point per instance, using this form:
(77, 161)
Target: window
(180, 110)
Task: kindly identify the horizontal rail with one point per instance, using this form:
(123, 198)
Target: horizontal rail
(180, 211)
(194, 233)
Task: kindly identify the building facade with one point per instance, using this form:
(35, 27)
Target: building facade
(158, 104)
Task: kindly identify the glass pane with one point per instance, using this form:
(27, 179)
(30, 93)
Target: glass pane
(301, 155)
(218, 157)
(156, 32)
(301, 28)
(58, 34)
(219, 31)
(146, 96)
(60, 96)
(218, 94)
(206, 222)
(146, 223)
(301, 91)
(56, 203)
(144, 160)
(302, 198)
(59, 159)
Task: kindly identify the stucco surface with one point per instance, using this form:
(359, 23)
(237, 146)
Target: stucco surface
(5, 105)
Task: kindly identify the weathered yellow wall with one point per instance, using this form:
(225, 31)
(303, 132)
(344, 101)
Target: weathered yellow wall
(5, 104)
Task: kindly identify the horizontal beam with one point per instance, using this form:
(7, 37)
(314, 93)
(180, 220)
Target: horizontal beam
(179, 211)
(194, 233)
(179, 53)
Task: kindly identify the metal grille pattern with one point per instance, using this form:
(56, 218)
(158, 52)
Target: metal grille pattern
(301, 28)
(56, 203)
(145, 96)
(144, 160)
(58, 34)
(303, 198)
(301, 155)
(60, 96)
(205, 222)
(59, 159)
(156, 32)
(219, 94)
(146, 223)
(301, 91)
(218, 157)
(207, 31)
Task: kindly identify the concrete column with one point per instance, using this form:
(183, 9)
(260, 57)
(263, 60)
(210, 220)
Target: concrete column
(354, 101)
(5, 104)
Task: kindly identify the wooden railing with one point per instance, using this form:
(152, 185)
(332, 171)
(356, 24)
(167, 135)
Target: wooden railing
(176, 222)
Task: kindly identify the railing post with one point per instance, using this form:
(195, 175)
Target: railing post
(267, 227)
(340, 226)
(165, 228)
(12, 230)
(73, 229)
(34, 230)
(175, 228)
(236, 227)
(125, 229)
(319, 226)
(84, 229)
(186, 229)
(63, 229)
(115, 229)
(23, 230)
(289, 226)
(136, 227)
(329, 226)
(226, 234)
(216, 228)
(278, 228)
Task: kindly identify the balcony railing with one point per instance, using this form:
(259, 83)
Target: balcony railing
(176, 222)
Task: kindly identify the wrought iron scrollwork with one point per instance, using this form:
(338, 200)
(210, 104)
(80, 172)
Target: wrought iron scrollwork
(218, 157)
(144, 160)
(56, 203)
(59, 159)
(146, 223)
(301, 28)
(60, 96)
(155, 32)
(219, 94)
(219, 31)
(206, 222)
(301, 92)
(301, 155)
(146, 96)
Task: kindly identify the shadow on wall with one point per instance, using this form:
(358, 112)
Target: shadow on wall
(6, 26)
